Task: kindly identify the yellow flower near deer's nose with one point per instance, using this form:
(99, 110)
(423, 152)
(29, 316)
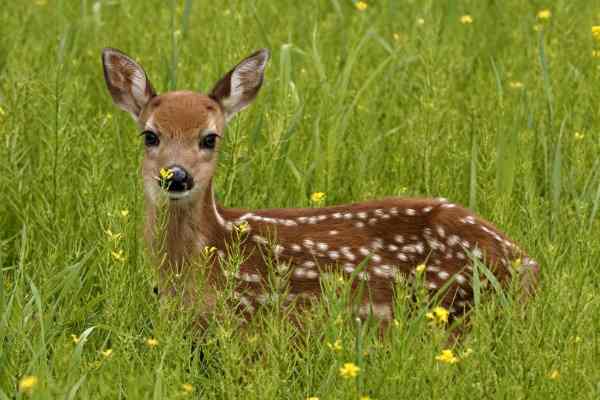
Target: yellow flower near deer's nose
(318, 197)
(466, 19)
(243, 227)
(349, 370)
(447, 357)
(27, 383)
(165, 173)
(361, 5)
(420, 268)
(438, 315)
(544, 14)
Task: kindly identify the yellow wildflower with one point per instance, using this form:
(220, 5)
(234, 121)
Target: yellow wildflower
(397, 323)
(361, 5)
(466, 19)
(75, 339)
(544, 14)
(124, 213)
(243, 227)
(438, 315)
(187, 388)
(349, 370)
(596, 32)
(106, 353)
(554, 374)
(151, 342)
(365, 398)
(27, 383)
(165, 173)
(318, 197)
(447, 357)
(420, 21)
(2, 112)
(312, 398)
(396, 36)
(517, 264)
(113, 237)
(335, 346)
(596, 53)
(577, 339)
(118, 255)
(420, 268)
(515, 84)
(579, 136)
(208, 250)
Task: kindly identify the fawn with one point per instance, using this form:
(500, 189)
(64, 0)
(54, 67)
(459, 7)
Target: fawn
(375, 243)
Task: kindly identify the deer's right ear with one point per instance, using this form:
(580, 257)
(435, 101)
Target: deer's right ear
(126, 81)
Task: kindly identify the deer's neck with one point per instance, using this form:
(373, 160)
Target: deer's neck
(182, 231)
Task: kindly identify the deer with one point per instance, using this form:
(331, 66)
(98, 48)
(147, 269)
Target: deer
(373, 243)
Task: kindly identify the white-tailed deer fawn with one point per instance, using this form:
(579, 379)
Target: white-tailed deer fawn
(375, 242)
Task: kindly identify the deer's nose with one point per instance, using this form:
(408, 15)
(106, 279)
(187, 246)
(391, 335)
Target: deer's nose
(176, 179)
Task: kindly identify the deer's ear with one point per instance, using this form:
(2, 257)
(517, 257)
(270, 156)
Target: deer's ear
(126, 81)
(240, 86)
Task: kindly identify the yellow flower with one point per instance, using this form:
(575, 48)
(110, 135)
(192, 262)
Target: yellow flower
(165, 173)
(517, 264)
(516, 84)
(151, 342)
(438, 315)
(396, 36)
(554, 374)
(595, 53)
(365, 398)
(113, 237)
(397, 323)
(447, 357)
(577, 339)
(318, 197)
(579, 136)
(2, 112)
(312, 398)
(243, 227)
(124, 213)
(349, 370)
(466, 19)
(107, 353)
(544, 14)
(596, 32)
(27, 383)
(118, 255)
(208, 250)
(335, 346)
(187, 388)
(420, 268)
(361, 5)
(75, 339)
(420, 21)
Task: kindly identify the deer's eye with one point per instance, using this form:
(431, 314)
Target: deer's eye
(209, 141)
(150, 138)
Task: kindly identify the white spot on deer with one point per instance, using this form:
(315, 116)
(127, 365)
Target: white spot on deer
(299, 273)
(221, 253)
(402, 257)
(419, 247)
(296, 247)
(359, 224)
(477, 253)
(432, 269)
(302, 219)
(278, 249)
(372, 221)
(409, 248)
(247, 303)
(322, 246)
(460, 255)
(322, 217)
(362, 215)
(377, 244)
(443, 275)
(347, 253)
(465, 244)
(312, 274)
(394, 211)
(336, 215)
(399, 238)
(460, 279)
(440, 231)
(363, 276)
(333, 232)
(385, 216)
(312, 220)
(262, 298)
(383, 271)
(427, 209)
(431, 285)
(250, 277)
(364, 251)
(376, 258)
(379, 212)
(449, 255)
(349, 268)
(348, 216)
(410, 211)
(448, 205)
(308, 264)
(392, 247)
(334, 255)
(452, 240)
(462, 293)
(259, 239)
(468, 220)
(289, 222)
(308, 243)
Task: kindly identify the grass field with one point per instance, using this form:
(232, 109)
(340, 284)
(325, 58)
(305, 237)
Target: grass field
(499, 112)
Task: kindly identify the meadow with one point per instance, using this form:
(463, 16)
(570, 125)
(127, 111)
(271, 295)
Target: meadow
(492, 104)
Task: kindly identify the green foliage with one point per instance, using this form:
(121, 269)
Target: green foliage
(399, 99)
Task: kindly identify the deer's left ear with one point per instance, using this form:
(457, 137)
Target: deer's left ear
(126, 81)
(239, 87)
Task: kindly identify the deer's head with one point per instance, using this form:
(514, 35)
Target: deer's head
(181, 130)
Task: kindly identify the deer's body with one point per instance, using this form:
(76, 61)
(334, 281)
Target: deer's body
(376, 242)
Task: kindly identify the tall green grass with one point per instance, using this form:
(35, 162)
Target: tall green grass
(400, 99)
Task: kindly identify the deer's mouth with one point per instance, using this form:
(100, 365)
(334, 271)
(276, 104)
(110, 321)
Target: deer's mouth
(179, 195)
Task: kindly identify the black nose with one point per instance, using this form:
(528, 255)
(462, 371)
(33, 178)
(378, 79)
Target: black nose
(177, 179)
